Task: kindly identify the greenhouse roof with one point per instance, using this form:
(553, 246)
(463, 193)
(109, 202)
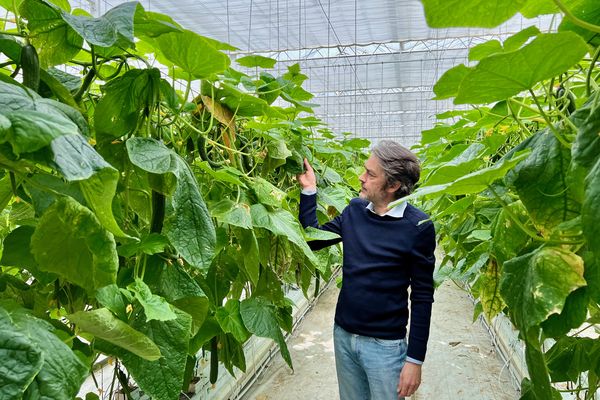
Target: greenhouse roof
(371, 64)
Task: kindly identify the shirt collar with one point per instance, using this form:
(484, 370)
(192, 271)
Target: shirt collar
(395, 212)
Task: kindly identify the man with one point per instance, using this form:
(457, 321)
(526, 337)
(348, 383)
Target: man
(386, 250)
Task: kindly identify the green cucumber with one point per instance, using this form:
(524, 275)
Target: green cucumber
(30, 64)
(214, 360)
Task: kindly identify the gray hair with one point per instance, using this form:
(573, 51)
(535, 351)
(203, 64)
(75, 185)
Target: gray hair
(399, 165)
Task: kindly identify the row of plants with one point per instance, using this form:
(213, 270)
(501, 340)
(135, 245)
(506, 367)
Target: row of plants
(513, 183)
(148, 214)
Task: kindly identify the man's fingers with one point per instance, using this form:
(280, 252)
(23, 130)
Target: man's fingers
(408, 390)
(307, 165)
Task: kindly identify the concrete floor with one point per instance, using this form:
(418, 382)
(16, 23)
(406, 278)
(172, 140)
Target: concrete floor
(461, 362)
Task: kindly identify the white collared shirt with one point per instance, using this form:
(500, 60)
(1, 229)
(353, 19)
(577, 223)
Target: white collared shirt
(394, 212)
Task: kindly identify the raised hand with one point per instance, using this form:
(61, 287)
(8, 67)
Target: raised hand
(307, 179)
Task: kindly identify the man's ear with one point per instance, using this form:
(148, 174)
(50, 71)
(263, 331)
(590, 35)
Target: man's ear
(392, 188)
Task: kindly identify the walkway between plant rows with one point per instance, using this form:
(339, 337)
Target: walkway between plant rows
(461, 361)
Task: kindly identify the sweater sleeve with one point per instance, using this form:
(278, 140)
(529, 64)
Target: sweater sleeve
(308, 217)
(422, 288)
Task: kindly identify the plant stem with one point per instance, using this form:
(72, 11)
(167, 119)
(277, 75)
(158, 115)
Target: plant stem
(512, 216)
(516, 118)
(554, 104)
(17, 17)
(575, 20)
(557, 134)
(212, 142)
(527, 106)
(6, 64)
(589, 73)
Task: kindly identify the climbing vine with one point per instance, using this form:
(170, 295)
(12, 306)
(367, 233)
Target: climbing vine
(148, 214)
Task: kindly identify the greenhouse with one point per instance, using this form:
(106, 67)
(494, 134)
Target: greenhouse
(215, 200)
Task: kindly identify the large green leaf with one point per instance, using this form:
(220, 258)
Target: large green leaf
(162, 379)
(335, 196)
(99, 191)
(476, 13)
(153, 24)
(178, 288)
(228, 175)
(115, 299)
(586, 148)
(249, 256)
(78, 161)
(267, 193)
(256, 61)
(104, 325)
(483, 50)
(465, 163)
(448, 84)
(570, 356)
(530, 288)
(170, 281)
(10, 47)
(587, 142)
(17, 252)
(508, 239)
(474, 182)
(585, 10)
(125, 97)
(236, 214)
(241, 103)
(512, 43)
(62, 372)
(195, 54)
(44, 189)
(150, 155)
(155, 307)
(56, 87)
(230, 320)
(533, 8)
(489, 291)
(21, 101)
(319, 234)
(114, 27)
(590, 211)
(70, 242)
(9, 5)
(189, 226)
(500, 76)
(21, 362)
(520, 38)
(28, 131)
(149, 244)
(572, 316)
(281, 223)
(197, 307)
(260, 317)
(56, 42)
(592, 276)
(541, 182)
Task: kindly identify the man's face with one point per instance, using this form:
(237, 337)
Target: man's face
(373, 182)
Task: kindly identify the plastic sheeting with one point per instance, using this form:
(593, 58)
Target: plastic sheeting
(371, 64)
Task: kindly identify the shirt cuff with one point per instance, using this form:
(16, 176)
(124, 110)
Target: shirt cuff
(412, 360)
(308, 192)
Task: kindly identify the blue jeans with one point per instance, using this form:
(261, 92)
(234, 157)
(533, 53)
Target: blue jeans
(367, 368)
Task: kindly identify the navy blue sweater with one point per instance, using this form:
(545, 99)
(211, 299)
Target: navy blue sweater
(383, 256)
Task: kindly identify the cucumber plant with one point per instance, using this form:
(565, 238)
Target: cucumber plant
(513, 184)
(148, 214)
